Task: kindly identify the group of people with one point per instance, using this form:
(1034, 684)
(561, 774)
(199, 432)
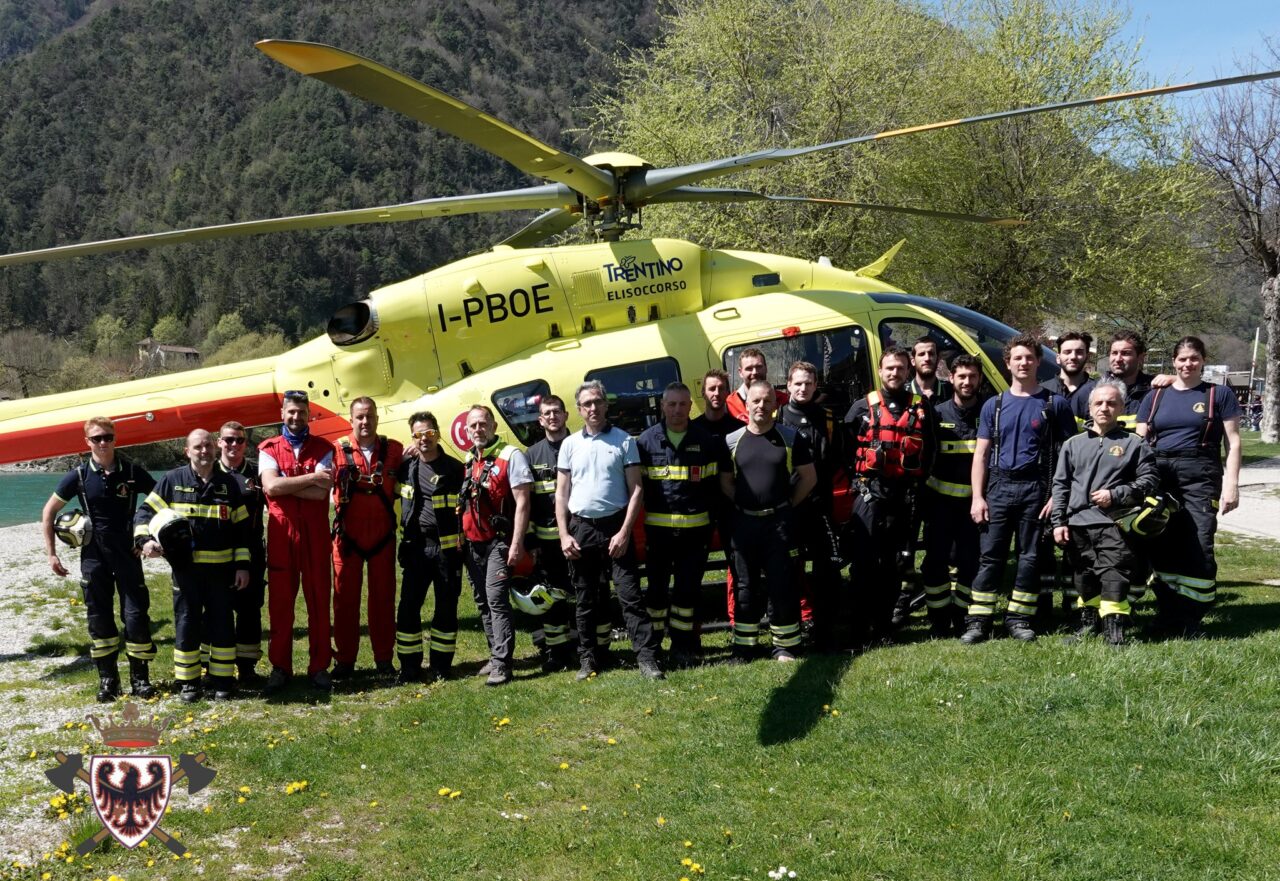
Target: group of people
(1079, 462)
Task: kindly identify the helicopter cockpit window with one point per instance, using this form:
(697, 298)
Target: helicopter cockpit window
(518, 406)
(353, 323)
(840, 354)
(903, 333)
(635, 391)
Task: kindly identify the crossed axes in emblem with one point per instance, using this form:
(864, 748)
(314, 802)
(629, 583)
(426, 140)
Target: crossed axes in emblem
(71, 768)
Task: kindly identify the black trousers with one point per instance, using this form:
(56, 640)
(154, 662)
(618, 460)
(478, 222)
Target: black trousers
(588, 573)
(763, 565)
(950, 538)
(427, 566)
(202, 601)
(877, 533)
(1103, 561)
(247, 608)
(675, 559)
(1013, 512)
(108, 567)
(1183, 555)
(554, 569)
(815, 539)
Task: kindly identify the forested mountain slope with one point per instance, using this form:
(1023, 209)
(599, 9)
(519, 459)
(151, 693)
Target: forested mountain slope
(158, 115)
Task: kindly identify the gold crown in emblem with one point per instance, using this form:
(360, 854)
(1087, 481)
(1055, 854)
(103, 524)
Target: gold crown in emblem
(131, 731)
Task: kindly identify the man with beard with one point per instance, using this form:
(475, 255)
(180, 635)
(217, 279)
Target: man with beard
(924, 363)
(950, 535)
(892, 434)
(821, 590)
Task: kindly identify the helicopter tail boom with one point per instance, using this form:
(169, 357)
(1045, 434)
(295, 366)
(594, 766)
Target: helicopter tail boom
(146, 410)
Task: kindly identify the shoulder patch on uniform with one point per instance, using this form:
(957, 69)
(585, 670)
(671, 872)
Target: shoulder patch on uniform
(1116, 450)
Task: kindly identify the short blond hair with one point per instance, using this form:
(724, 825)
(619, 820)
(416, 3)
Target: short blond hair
(98, 422)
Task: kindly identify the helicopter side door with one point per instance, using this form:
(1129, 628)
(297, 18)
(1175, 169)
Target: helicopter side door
(842, 356)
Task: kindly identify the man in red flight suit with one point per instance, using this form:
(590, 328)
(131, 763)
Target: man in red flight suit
(364, 532)
(296, 474)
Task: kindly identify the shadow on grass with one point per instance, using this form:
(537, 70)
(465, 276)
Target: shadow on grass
(793, 709)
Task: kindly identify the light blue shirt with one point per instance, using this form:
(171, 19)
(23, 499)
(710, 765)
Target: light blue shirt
(596, 465)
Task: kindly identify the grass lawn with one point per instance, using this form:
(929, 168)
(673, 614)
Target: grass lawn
(1253, 450)
(927, 760)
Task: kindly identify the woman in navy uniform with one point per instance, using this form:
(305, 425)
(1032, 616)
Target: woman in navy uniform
(1187, 424)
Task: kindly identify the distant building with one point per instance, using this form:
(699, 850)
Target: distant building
(156, 355)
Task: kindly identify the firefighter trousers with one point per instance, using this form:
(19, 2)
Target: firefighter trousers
(349, 566)
(1013, 512)
(1103, 561)
(298, 552)
(555, 622)
(1183, 555)
(109, 567)
(591, 588)
(763, 565)
(427, 566)
(950, 540)
(247, 607)
(675, 559)
(203, 595)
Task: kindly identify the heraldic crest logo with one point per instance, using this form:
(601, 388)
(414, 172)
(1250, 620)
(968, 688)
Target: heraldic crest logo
(130, 792)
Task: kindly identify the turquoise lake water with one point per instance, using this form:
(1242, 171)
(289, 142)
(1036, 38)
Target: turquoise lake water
(22, 496)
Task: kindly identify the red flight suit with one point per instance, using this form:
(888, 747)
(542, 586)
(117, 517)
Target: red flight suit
(298, 548)
(364, 532)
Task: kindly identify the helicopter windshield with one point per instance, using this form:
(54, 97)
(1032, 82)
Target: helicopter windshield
(989, 334)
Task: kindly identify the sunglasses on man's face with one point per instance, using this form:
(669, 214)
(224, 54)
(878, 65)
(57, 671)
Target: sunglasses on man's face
(101, 438)
(233, 441)
(425, 433)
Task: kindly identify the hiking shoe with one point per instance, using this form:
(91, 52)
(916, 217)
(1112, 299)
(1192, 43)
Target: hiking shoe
(322, 681)
(499, 674)
(276, 681)
(341, 672)
(588, 669)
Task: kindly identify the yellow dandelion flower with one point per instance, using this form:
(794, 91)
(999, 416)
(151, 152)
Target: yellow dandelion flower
(662, 821)
(835, 712)
(688, 844)
(583, 808)
(455, 793)
(648, 711)
(241, 800)
(208, 809)
(564, 766)
(32, 754)
(150, 863)
(246, 790)
(443, 790)
(612, 742)
(686, 862)
(143, 843)
(373, 804)
(45, 876)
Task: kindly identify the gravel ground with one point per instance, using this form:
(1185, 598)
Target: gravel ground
(34, 703)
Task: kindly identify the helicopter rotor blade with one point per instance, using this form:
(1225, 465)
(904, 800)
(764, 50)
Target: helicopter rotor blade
(543, 227)
(545, 196)
(708, 194)
(395, 91)
(644, 185)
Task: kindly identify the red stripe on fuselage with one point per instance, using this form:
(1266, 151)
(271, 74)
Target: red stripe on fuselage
(166, 423)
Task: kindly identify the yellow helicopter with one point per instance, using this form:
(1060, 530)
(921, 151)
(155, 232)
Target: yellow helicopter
(514, 323)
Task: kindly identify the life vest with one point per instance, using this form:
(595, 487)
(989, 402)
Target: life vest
(352, 481)
(486, 503)
(311, 454)
(888, 447)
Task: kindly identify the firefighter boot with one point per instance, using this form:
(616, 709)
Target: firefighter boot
(410, 669)
(1072, 611)
(108, 680)
(1019, 628)
(1113, 629)
(247, 676)
(139, 680)
(1044, 611)
(441, 664)
(941, 622)
(1088, 625)
(977, 628)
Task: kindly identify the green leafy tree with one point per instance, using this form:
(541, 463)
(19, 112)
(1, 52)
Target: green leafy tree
(246, 347)
(110, 336)
(1111, 196)
(169, 330)
(229, 327)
